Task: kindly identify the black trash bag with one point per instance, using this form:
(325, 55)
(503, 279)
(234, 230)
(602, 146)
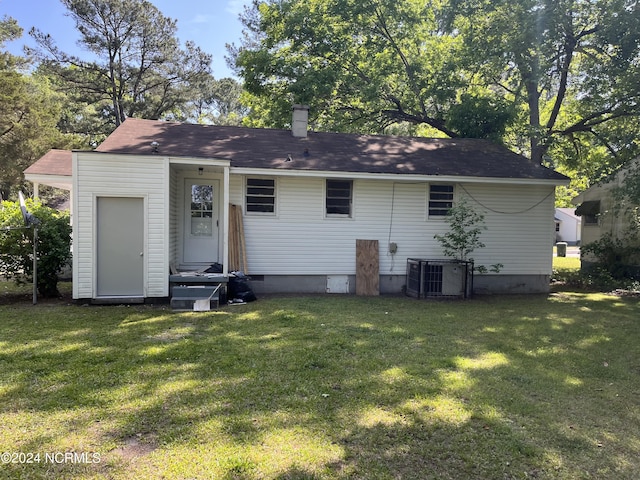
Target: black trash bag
(214, 268)
(239, 289)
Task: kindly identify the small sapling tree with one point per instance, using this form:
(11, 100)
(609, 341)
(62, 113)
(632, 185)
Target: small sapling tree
(465, 227)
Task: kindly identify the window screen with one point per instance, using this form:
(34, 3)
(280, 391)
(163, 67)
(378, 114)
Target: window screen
(339, 197)
(440, 199)
(261, 195)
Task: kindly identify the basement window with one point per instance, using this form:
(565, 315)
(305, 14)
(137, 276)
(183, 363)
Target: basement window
(260, 196)
(440, 200)
(339, 198)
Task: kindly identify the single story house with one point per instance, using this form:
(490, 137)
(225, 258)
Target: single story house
(156, 197)
(568, 226)
(603, 215)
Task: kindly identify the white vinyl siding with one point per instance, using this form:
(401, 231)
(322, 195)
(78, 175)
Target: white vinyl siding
(520, 227)
(303, 241)
(121, 176)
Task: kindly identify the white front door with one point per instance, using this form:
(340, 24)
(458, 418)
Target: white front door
(201, 221)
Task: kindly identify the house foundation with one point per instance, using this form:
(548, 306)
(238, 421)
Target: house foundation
(395, 284)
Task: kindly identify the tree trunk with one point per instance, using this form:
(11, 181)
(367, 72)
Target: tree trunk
(5, 189)
(533, 100)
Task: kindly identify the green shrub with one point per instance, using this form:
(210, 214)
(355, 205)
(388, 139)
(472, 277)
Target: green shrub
(16, 245)
(616, 255)
(597, 279)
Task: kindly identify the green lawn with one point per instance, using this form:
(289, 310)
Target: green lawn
(566, 263)
(324, 387)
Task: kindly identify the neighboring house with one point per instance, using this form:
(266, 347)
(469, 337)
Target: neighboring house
(155, 195)
(568, 226)
(601, 214)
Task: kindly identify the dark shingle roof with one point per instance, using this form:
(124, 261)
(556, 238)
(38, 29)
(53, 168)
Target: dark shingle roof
(333, 152)
(54, 162)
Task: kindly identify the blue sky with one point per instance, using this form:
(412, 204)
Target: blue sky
(209, 23)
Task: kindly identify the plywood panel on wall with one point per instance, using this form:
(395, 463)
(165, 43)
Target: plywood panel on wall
(367, 268)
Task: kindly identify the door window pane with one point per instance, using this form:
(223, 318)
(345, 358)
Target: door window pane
(202, 210)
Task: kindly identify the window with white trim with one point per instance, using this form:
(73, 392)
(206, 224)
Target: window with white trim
(440, 199)
(339, 198)
(260, 196)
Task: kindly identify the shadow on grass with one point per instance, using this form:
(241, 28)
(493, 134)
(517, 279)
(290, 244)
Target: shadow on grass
(537, 387)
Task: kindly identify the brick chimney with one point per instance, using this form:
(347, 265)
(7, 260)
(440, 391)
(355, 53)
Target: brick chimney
(300, 122)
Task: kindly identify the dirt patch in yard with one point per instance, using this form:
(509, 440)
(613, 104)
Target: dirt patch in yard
(134, 447)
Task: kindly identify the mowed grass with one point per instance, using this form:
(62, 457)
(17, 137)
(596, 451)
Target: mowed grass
(566, 263)
(325, 387)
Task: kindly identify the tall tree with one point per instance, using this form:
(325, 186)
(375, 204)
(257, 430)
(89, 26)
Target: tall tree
(9, 30)
(215, 102)
(540, 74)
(360, 65)
(29, 111)
(136, 66)
(572, 64)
